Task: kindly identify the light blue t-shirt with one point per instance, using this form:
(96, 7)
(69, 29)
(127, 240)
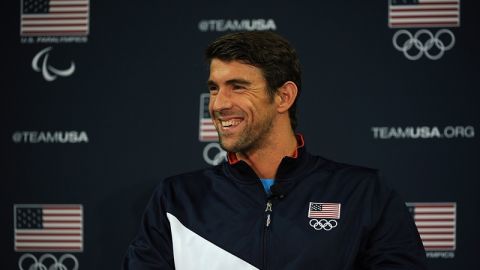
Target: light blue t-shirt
(267, 183)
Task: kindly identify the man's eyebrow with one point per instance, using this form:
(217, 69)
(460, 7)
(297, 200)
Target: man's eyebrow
(230, 82)
(239, 81)
(211, 83)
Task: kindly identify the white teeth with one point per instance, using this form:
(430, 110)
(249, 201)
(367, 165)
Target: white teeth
(229, 123)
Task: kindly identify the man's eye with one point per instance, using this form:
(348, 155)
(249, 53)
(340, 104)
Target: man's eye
(213, 89)
(238, 87)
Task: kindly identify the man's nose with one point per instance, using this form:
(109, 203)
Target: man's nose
(222, 100)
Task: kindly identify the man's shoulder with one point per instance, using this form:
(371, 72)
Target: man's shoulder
(345, 178)
(336, 167)
(190, 182)
(346, 174)
(199, 175)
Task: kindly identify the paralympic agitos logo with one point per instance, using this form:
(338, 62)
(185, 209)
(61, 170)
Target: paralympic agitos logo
(49, 72)
(429, 14)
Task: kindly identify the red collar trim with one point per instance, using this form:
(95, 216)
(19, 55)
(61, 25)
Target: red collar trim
(300, 144)
(232, 157)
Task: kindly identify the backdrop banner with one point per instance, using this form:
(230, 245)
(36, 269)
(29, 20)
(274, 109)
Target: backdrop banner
(101, 100)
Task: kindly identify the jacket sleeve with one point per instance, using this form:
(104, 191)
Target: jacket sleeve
(393, 241)
(152, 247)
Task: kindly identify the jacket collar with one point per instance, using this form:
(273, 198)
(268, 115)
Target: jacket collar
(289, 168)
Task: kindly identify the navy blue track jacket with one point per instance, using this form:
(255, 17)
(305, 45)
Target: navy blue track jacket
(320, 215)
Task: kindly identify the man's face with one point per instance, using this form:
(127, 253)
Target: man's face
(240, 106)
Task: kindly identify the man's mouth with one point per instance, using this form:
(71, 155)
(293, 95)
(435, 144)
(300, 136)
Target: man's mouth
(230, 123)
(226, 126)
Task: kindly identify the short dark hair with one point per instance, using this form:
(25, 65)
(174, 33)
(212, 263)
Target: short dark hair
(269, 52)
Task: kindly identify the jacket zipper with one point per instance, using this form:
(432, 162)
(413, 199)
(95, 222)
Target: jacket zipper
(268, 221)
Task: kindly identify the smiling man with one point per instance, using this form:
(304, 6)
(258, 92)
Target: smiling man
(272, 205)
(251, 121)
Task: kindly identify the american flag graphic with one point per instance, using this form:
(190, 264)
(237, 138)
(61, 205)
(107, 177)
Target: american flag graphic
(40, 228)
(436, 223)
(324, 210)
(208, 133)
(423, 13)
(54, 18)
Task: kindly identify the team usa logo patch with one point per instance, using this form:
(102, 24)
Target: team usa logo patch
(323, 216)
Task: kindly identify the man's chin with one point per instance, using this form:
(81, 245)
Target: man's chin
(228, 144)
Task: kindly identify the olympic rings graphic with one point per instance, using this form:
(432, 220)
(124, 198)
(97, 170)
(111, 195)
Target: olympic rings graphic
(323, 224)
(47, 262)
(219, 154)
(414, 43)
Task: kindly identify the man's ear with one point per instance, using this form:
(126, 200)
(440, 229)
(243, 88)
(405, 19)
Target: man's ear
(285, 96)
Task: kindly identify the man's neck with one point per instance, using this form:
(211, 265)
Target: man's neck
(265, 159)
